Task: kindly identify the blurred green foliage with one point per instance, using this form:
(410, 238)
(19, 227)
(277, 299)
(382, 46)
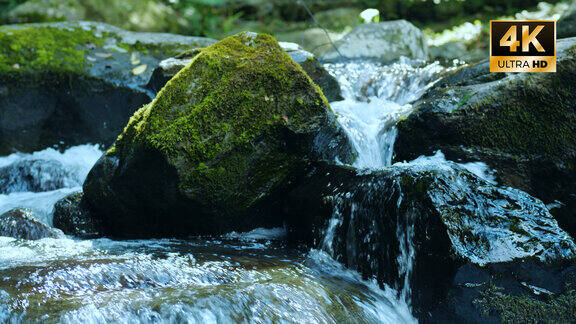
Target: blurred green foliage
(9, 4)
(219, 18)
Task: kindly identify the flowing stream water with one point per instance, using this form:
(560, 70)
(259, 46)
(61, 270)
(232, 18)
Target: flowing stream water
(239, 277)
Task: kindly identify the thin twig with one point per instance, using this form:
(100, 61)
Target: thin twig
(301, 2)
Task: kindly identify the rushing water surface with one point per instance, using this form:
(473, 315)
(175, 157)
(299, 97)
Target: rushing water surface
(240, 277)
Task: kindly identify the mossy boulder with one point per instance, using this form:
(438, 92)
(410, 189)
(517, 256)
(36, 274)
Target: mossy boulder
(72, 83)
(220, 143)
(136, 15)
(522, 125)
(21, 224)
(413, 226)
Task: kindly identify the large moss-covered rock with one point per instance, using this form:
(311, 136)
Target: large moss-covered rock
(169, 67)
(523, 125)
(219, 143)
(137, 15)
(72, 83)
(413, 226)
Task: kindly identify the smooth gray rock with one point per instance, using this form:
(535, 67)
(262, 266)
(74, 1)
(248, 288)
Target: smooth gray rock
(385, 41)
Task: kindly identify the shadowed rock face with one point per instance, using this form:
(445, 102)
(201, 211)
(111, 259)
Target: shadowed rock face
(20, 223)
(66, 84)
(522, 125)
(413, 225)
(219, 142)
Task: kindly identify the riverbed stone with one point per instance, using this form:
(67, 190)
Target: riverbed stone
(65, 84)
(220, 141)
(522, 125)
(21, 224)
(385, 41)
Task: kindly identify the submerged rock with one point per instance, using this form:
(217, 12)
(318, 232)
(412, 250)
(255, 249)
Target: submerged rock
(522, 125)
(413, 225)
(21, 224)
(73, 218)
(385, 41)
(74, 83)
(219, 142)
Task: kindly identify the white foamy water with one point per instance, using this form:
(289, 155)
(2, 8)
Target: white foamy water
(65, 174)
(239, 277)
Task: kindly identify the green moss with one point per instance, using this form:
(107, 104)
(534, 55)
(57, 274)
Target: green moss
(217, 121)
(44, 49)
(527, 309)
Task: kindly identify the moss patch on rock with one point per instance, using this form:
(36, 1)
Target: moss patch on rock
(44, 49)
(559, 308)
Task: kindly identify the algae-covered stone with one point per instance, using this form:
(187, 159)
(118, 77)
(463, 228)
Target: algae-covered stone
(70, 83)
(330, 87)
(221, 140)
(522, 125)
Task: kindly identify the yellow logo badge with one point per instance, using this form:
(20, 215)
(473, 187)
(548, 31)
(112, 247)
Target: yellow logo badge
(522, 46)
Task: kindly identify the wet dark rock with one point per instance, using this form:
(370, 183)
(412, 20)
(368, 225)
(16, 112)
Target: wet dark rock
(413, 226)
(217, 146)
(34, 175)
(21, 224)
(73, 218)
(522, 125)
(526, 291)
(64, 84)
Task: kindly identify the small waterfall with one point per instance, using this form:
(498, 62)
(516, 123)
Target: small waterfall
(377, 96)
